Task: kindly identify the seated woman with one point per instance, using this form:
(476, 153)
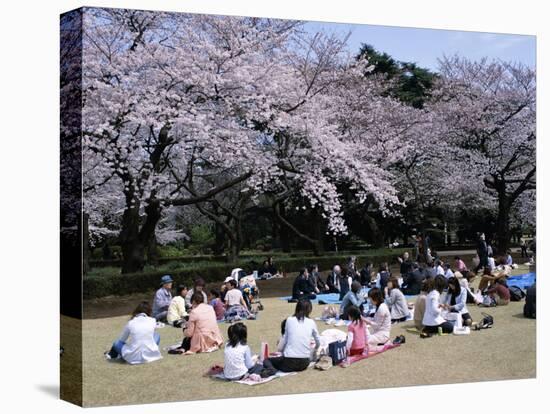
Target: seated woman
(488, 278)
(381, 323)
(352, 299)
(235, 306)
(433, 320)
(198, 286)
(177, 313)
(396, 301)
(302, 288)
(455, 300)
(460, 266)
(420, 303)
(500, 292)
(357, 339)
(464, 279)
(295, 343)
(202, 333)
(238, 360)
(382, 276)
(139, 341)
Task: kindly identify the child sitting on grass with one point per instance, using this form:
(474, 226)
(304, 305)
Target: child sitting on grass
(357, 341)
(217, 304)
(238, 360)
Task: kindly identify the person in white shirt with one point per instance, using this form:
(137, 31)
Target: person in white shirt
(238, 360)
(234, 303)
(433, 320)
(138, 342)
(455, 300)
(438, 268)
(177, 313)
(396, 301)
(381, 323)
(491, 262)
(448, 271)
(295, 343)
(198, 286)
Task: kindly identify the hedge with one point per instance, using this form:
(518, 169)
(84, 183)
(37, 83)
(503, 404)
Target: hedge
(100, 286)
(223, 259)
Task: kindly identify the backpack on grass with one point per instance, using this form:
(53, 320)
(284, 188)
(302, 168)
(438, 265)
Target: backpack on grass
(516, 294)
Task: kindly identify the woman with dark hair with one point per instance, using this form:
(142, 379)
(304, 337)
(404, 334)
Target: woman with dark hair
(432, 320)
(295, 343)
(143, 344)
(238, 360)
(381, 323)
(383, 276)
(198, 286)
(396, 301)
(202, 333)
(352, 298)
(455, 300)
(420, 303)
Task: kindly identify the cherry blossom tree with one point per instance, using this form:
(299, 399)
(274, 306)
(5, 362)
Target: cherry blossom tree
(485, 111)
(173, 102)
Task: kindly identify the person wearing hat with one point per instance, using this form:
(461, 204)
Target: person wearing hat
(162, 299)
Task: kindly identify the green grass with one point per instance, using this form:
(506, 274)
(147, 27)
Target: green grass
(507, 351)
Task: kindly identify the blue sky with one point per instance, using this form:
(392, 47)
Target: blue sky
(425, 46)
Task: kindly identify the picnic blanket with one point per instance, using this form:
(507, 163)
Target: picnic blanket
(325, 298)
(216, 372)
(372, 352)
(522, 281)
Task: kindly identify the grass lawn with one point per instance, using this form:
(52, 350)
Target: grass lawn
(507, 351)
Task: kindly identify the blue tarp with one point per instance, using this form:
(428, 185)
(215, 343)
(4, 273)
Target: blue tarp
(333, 298)
(522, 281)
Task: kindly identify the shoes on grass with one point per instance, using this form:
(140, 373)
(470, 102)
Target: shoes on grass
(399, 340)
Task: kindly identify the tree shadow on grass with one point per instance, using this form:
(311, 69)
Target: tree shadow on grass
(49, 389)
(520, 316)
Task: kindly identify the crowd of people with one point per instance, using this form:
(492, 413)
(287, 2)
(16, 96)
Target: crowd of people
(370, 300)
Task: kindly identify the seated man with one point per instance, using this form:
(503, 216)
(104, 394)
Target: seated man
(302, 289)
(405, 264)
(317, 284)
(162, 298)
(333, 280)
(412, 281)
(366, 274)
(177, 313)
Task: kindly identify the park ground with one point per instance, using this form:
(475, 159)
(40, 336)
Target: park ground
(507, 351)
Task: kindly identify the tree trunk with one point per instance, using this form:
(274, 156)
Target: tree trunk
(503, 224)
(284, 234)
(85, 244)
(377, 235)
(286, 224)
(134, 240)
(153, 251)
